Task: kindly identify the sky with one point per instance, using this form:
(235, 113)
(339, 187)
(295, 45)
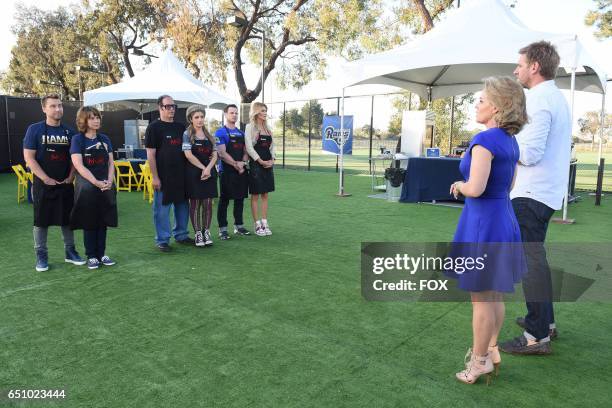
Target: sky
(556, 16)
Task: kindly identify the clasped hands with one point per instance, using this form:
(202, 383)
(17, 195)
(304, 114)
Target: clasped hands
(455, 189)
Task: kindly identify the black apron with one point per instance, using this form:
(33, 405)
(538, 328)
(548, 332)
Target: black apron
(195, 186)
(172, 160)
(261, 179)
(234, 185)
(94, 208)
(52, 204)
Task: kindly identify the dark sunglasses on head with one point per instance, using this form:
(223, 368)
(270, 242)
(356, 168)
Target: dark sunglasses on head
(170, 106)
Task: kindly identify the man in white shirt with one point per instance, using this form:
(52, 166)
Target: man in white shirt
(539, 189)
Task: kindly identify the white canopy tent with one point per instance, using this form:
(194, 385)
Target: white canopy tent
(165, 75)
(480, 39)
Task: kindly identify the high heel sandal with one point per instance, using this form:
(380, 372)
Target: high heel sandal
(475, 367)
(495, 358)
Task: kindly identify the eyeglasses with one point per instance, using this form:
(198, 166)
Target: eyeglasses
(170, 107)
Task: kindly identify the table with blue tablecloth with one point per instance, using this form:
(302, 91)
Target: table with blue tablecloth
(429, 179)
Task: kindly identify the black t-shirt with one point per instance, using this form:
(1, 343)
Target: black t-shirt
(156, 132)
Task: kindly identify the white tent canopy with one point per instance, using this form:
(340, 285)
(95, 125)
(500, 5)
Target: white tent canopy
(165, 75)
(480, 39)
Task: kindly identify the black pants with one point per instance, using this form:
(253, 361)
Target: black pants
(222, 211)
(95, 242)
(533, 218)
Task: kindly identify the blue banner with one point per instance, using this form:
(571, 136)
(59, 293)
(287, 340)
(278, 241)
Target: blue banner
(331, 134)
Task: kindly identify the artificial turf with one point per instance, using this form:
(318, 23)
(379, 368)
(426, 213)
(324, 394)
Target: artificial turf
(273, 321)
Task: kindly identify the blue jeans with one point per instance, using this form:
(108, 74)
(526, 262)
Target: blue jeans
(533, 218)
(161, 220)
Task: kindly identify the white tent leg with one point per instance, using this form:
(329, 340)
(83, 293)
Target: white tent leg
(341, 181)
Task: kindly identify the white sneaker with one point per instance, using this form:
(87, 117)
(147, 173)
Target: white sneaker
(199, 240)
(259, 229)
(207, 238)
(266, 229)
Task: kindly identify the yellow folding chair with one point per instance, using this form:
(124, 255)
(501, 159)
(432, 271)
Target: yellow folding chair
(22, 182)
(125, 176)
(146, 180)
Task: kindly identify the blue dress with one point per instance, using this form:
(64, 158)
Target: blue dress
(488, 227)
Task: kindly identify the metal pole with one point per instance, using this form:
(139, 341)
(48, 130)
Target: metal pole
(80, 87)
(371, 132)
(573, 91)
(341, 186)
(8, 130)
(338, 113)
(263, 66)
(309, 132)
(284, 119)
(450, 136)
(603, 120)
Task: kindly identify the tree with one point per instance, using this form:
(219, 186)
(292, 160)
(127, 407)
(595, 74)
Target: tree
(590, 125)
(316, 115)
(300, 35)
(601, 18)
(49, 46)
(421, 14)
(121, 27)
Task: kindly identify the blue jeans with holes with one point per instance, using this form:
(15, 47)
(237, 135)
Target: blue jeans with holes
(533, 218)
(161, 220)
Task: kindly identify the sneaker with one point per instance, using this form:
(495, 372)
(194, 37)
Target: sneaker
(93, 263)
(164, 247)
(72, 256)
(106, 261)
(199, 239)
(519, 345)
(42, 262)
(241, 231)
(266, 229)
(223, 235)
(207, 238)
(186, 241)
(552, 333)
(259, 230)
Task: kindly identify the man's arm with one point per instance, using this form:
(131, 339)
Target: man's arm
(32, 163)
(532, 139)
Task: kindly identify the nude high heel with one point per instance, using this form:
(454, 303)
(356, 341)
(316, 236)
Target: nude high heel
(495, 358)
(475, 367)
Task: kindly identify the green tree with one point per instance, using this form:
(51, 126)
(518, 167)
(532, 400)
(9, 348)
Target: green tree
(601, 18)
(120, 28)
(316, 115)
(590, 126)
(300, 33)
(49, 45)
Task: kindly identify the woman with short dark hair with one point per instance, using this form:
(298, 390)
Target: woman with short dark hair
(95, 201)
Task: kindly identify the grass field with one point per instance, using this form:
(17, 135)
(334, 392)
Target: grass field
(357, 163)
(273, 321)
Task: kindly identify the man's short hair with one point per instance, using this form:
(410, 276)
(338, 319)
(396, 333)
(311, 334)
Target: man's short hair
(43, 100)
(160, 100)
(545, 54)
(231, 105)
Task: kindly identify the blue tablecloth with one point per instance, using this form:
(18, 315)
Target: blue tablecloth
(429, 179)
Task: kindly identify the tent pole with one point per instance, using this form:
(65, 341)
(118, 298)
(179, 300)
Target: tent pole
(602, 120)
(564, 220)
(341, 181)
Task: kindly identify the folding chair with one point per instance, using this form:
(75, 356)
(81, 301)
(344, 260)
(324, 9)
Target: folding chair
(146, 182)
(124, 173)
(22, 182)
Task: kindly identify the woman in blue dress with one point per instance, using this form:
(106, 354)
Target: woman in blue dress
(487, 222)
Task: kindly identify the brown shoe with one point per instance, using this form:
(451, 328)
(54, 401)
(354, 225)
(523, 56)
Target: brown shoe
(552, 333)
(519, 345)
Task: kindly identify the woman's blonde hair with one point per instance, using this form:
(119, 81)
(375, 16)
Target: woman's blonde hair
(82, 117)
(191, 131)
(256, 108)
(507, 95)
